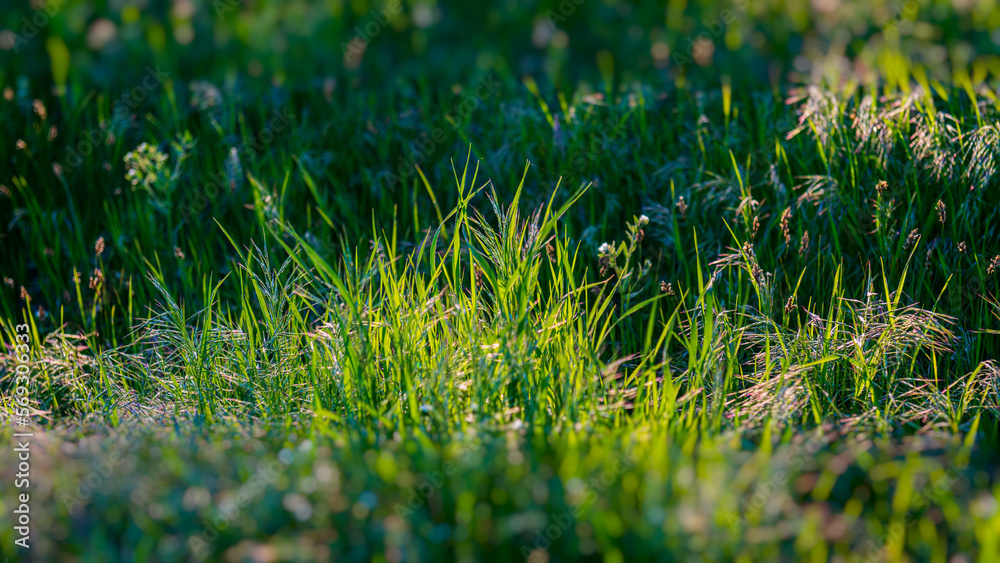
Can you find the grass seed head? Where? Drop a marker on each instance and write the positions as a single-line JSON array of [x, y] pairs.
[[96, 279], [994, 264], [790, 305], [39, 108]]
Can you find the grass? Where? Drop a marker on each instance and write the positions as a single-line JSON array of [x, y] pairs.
[[727, 323]]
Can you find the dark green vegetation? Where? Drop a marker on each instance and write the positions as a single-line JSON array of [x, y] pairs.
[[452, 312]]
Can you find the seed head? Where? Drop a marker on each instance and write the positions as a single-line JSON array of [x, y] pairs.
[[39, 108], [786, 228], [96, 279], [790, 305], [942, 215], [994, 264], [99, 247], [911, 239], [604, 262], [682, 206]]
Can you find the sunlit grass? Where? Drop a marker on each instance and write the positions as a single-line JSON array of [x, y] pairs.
[[640, 315]]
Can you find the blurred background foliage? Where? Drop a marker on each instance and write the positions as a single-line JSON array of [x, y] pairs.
[[108, 43]]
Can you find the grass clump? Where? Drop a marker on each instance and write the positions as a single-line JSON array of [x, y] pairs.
[[735, 325]]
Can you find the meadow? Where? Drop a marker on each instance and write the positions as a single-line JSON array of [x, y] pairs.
[[422, 281]]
